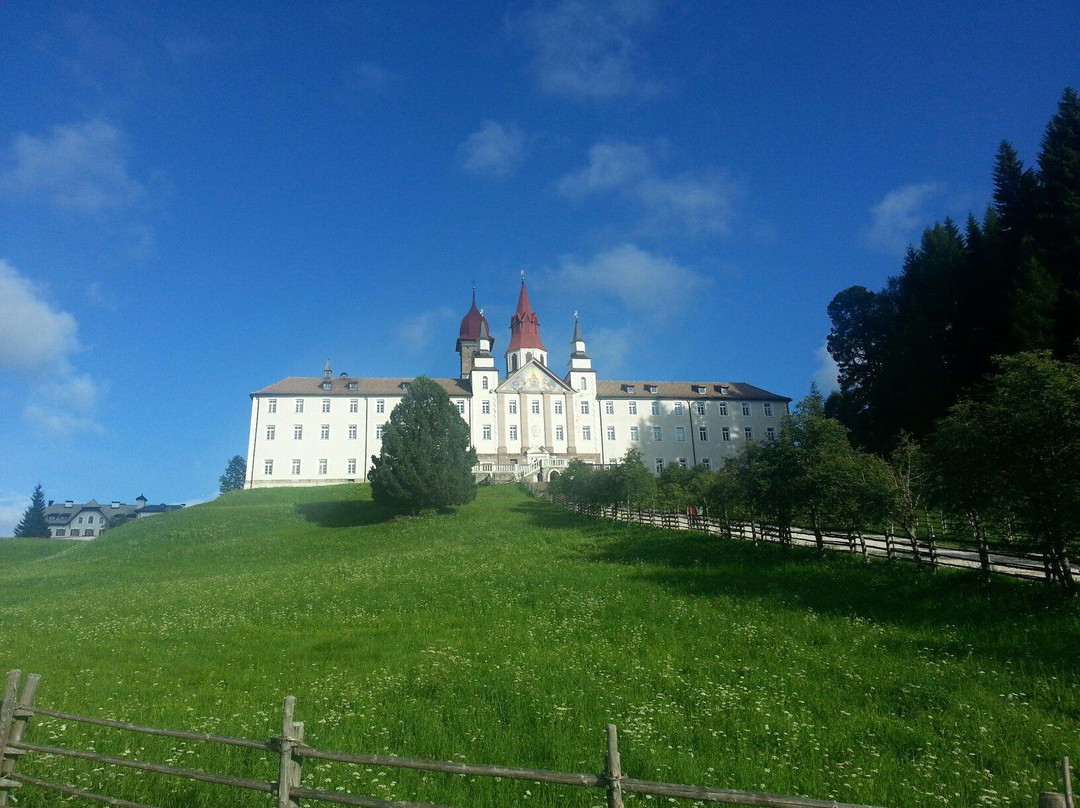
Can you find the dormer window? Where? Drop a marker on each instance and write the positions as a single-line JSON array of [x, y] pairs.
[[405, 386], [326, 385], [723, 389], [699, 389], [651, 388], [351, 385], [629, 388]]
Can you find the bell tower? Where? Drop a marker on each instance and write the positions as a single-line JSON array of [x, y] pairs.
[[525, 343]]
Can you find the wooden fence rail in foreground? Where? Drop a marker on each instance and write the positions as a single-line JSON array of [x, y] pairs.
[[889, 546], [17, 709]]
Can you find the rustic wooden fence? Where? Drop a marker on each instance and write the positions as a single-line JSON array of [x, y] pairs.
[[944, 551], [18, 708]]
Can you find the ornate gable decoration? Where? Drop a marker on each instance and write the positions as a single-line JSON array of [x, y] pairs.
[[534, 378]]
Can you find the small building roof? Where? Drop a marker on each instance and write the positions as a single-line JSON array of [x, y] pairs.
[[313, 386], [685, 390]]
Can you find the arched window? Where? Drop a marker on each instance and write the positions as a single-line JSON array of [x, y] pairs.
[[584, 383], [513, 362], [528, 356]]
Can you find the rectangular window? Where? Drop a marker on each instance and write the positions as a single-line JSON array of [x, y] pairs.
[[271, 431], [513, 406], [560, 434], [80, 520], [324, 432], [350, 466], [631, 407], [748, 433], [722, 407], [768, 408], [746, 408], [657, 433], [271, 405], [352, 431], [379, 431], [513, 431], [268, 467], [634, 434], [558, 407], [700, 406], [584, 407], [298, 432], [682, 462], [659, 465], [380, 406], [680, 433], [354, 405], [485, 407], [483, 383], [299, 405], [535, 407], [326, 405], [61, 531], [75, 531], [296, 467], [88, 532], [322, 465], [678, 408], [706, 462], [487, 432], [770, 433], [460, 407], [725, 433], [611, 433], [656, 408], [586, 433], [609, 407], [703, 434]]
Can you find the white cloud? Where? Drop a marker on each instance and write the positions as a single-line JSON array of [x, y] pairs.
[[493, 150], [588, 49], [368, 77], [610, 347], [611, 165], [695, 203], [33, 334], [12, 507], [827, 374], [418, 332], [900, 215], [58, 423], [632, 277], [80, 166]]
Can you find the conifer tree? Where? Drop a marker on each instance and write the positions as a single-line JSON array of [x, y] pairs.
[[234, 476], [427, 458], [33, 522]]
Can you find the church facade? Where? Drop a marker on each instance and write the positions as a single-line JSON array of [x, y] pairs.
[[324, 430]]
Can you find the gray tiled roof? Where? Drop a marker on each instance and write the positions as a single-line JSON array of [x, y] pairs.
[[312, 386], [685, 390]]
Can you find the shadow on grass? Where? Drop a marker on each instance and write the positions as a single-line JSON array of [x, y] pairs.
[[1001, 618], [348, 513]]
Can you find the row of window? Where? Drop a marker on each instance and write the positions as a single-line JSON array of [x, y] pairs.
[[701, 407], [560, 434], [659, 463], [75, 532], [324, 431], [323, 465]]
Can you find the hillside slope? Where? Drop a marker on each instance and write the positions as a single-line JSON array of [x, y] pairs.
[[511, 632]]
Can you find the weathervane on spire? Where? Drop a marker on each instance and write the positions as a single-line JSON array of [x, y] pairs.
[[523, 276]]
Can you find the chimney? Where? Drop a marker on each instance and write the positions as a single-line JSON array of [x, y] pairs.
[[50, 502], [115, 503], [69, 503], [327, 372]]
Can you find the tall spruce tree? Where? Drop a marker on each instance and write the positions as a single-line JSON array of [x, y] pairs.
[[427, 458], [33, 522]]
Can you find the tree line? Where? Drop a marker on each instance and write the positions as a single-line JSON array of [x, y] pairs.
[[1003, 463], [1007, 284]]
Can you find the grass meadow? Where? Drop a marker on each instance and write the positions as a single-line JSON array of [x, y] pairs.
[[511, 632]]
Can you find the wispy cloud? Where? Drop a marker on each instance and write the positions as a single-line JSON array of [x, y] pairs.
[[691, 202], [898, 217], [827, 374], [33, 333], [589, 49], [369, 78], [12, 506], [493, 150], [632, 277], [611, 347], [38, 341], [417, 333], [81, 166]]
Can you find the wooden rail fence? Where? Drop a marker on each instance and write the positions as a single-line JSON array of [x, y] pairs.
[[18, 708], [886, 545]]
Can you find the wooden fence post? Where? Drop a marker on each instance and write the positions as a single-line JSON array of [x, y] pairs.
[[9, 758], [7, 715], [613, 770], [292, 734], [1066, 776]]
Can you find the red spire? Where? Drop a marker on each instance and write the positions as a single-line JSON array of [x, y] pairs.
[[470, 323], [524, 325]]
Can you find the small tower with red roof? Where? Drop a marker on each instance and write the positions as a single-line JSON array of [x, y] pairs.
[[468, 341], [525, 343]]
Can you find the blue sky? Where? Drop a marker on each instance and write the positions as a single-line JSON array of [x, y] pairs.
[[198, 199]]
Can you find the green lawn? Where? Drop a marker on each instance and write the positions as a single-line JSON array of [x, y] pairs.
[[511, 632]]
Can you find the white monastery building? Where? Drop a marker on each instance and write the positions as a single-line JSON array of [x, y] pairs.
[[324, 430]]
